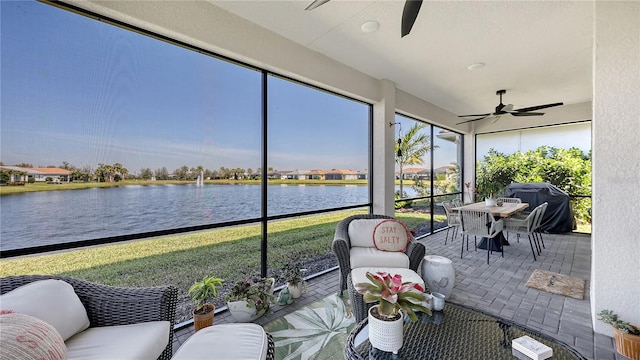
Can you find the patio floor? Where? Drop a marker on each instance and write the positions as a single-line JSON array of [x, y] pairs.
[[498, 289]]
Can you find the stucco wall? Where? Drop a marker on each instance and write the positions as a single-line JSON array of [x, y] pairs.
[[615, 275]]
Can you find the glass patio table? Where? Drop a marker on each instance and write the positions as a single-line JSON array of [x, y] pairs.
[[455, 333]]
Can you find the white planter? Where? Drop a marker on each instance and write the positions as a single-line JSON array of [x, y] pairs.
[[490, 202], [242, 313], [385, 335], [295, 290], [438, 274]]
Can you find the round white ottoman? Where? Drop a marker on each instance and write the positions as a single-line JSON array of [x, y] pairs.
[[227, 341], [438, 273]]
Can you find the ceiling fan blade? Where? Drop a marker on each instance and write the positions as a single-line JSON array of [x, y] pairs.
[[538, 107], [526, 113], [316, 3], [487, 114], [409, 15], [480, 118], [495, 118]]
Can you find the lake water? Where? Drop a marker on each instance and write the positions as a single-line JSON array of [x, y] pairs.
[[51, 217]]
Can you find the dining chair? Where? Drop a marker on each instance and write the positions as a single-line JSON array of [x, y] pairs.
[[457, 202], [480, 223], [538, 223], [524, 226], [453, 220]]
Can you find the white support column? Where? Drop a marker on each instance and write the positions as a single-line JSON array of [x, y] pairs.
[[469, 153], [615, 249], [383, 150]]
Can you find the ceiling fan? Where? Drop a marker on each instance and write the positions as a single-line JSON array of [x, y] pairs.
[[503, 109], [409, 13]]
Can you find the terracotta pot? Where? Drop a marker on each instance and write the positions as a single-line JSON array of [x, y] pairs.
[[627, 344], [201, 321]]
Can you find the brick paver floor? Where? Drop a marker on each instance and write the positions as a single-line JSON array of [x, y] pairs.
[[498, 289]]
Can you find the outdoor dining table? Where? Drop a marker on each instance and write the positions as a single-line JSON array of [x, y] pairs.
[[502, 211]]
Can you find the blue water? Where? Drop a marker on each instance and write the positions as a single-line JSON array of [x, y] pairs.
[[52, 217]]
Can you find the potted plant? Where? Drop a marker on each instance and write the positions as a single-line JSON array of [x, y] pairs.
[[490, 191], [250, 298], [294, 277], [203, 292], [396, 298], [627, 336]]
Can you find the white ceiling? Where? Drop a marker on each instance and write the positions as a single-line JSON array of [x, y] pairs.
[[539, 51]]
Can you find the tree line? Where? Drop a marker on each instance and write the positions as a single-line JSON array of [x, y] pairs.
[[117, 172]]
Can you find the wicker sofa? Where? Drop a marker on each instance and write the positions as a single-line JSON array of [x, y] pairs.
[[108, 306], [341, 247]]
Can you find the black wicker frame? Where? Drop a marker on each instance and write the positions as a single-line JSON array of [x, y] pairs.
[[271, 348], [109, 305], [341, 246]]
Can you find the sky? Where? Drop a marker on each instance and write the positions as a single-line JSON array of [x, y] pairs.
[[85, 92], [78, 90]]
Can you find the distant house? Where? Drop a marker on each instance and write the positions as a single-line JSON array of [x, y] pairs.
[[307, 175], [425, 174], [23, 174], [56, 174], [363, 175], [316, 174], [341, 174], [16, 173], [411, 173], [447, 170]]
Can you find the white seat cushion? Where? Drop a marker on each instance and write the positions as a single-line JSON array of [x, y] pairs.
[[227, 341], [368, 256], [52, 301], [360, 274], [136, 342]]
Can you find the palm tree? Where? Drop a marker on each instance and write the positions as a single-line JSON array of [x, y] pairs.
[[411, 148], [119, 170]]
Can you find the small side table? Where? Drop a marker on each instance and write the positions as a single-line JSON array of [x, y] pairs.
[[439, 274]]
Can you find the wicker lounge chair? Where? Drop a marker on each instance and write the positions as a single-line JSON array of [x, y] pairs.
[[341, 247], [109, 305]]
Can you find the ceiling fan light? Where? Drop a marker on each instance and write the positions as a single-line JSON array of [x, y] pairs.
[[370, 26]]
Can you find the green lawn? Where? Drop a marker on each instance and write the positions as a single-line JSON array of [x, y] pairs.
[[229, 253]]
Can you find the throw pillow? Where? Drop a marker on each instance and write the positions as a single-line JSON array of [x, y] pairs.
[[25, 337], [360, 231], [391, 235], [52, 301]]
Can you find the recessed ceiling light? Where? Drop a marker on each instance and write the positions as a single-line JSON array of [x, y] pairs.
[[370, 26], [475, 66]]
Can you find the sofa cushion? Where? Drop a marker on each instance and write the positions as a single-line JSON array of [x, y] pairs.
[[28, 338], [369, 256], [230, 341], [391, 235], [136, 342], [361, 231], [52, 301]]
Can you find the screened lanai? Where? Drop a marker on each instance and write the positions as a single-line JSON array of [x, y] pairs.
[[608, 66]]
